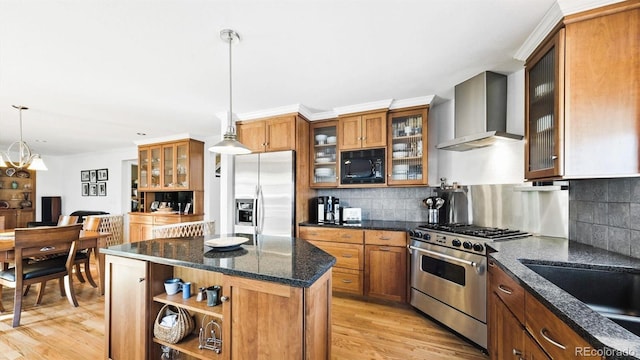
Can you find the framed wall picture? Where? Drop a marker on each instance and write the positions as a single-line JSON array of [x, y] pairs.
[[84, 175], [103, 174], [85, 187], [93, 177], [93, 189], [102, 188]]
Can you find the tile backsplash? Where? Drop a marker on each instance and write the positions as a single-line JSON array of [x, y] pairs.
[[397, 204], [605, 213]]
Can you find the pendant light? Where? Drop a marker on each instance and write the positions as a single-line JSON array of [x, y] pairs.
[[25, 157], [230, 144]]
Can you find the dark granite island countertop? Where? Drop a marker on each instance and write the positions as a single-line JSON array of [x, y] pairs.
[[612, 340], [283, 260]]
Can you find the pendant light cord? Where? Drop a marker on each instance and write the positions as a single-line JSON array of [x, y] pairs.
[[231, 128]]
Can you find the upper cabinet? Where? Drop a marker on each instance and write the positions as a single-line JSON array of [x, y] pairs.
[[17, 197], [273, 134], [582, 97], [324, 154], [173, 166], [406, 160], [368, 130]]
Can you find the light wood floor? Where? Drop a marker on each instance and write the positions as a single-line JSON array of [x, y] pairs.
[[361, 330]]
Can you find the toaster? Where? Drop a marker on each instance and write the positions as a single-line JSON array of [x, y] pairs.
[[350, 215]]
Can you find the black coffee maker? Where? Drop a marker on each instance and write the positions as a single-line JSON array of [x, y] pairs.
[[327, 210]]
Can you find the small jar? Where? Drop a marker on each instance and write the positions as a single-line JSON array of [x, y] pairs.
[[201, 294]]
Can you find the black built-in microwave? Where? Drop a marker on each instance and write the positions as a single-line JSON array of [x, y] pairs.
[[362, 166]]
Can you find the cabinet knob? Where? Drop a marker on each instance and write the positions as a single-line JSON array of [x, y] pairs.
[[224, 298], [554, 157]]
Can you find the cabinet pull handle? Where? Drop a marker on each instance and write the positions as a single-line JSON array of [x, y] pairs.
[[544, 333], [313, 233], [491, 263], [384, 238], [517, 352], [346, 236], [554, 157], [347, 256], [384, 249], [141, 279], [347, 281], [224, 298], [505, 289]]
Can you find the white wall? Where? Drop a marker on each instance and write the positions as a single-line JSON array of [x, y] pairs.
[[498, 164]]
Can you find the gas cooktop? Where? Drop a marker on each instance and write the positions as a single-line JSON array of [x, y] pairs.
[[488, 233]]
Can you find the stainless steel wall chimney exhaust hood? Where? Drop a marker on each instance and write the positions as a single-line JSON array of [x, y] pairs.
[[480, 113]]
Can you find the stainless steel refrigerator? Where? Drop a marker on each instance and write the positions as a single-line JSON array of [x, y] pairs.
[[265, 193]]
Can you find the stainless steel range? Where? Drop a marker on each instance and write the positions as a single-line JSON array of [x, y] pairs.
[[448, 274]]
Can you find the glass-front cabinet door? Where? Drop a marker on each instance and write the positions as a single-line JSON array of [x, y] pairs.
[[407, 147], [168, 159], [182, 165], [324, 154], [154, 179], [144, 161], [544, 88]]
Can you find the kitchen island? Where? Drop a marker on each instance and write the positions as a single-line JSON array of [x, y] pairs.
[[275, 299], [606, 339]]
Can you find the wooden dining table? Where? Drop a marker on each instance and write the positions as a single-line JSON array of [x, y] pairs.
[[88, 240]]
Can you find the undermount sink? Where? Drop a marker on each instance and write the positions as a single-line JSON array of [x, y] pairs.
[[613, 294]]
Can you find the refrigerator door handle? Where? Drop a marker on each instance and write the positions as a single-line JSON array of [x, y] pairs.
[[261, 212], [256, 213]]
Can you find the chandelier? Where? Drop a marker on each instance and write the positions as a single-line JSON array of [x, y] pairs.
[[25, 157], [230, 144]]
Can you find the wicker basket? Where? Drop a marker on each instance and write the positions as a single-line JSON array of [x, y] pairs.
[[183, 326]]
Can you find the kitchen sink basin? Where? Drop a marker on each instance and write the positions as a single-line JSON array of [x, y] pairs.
[[613, 294]]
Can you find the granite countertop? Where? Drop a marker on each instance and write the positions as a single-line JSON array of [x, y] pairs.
[[372, 225], [283, 260], [600, 332]]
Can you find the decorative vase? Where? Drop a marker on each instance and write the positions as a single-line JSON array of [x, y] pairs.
[[26, 203]]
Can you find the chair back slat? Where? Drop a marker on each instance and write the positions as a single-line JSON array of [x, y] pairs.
[[91, 223], [39, 237], [67, 220]]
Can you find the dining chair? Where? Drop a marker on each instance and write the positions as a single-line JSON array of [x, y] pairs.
[[34, 264], [82, 260]]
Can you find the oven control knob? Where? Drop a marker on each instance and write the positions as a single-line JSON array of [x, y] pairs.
[[467, 245], [412, 233], [426, 236], [417, 234], [478, 247], [456, 243]]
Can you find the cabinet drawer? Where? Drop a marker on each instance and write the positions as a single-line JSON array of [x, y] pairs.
[[140, 219], [553, 335], [332, 234], [384, 237], [507, 289], [349, 256], [345, 280]]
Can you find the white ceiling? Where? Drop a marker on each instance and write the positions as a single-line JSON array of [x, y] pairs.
[[96, 72]]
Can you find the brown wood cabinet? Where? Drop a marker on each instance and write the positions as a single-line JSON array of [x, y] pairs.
[[324, 155], [171, 166], [250, 311], [520, 327], [347, 246], [407, 147], [370, 263], [13, 190], [581, 89], [141, 224], [367, 130], [273, 134]]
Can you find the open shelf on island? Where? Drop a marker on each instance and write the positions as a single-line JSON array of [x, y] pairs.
[[190, 345], [190, 304]]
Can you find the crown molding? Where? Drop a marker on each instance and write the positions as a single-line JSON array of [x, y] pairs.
[[416, 101], [374, 105], [287, 109], [163, 139], [551, 18]]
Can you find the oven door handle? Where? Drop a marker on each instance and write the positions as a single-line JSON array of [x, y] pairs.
[[446, 257]]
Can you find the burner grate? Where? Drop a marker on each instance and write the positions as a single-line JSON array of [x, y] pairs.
[[491, 233]]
